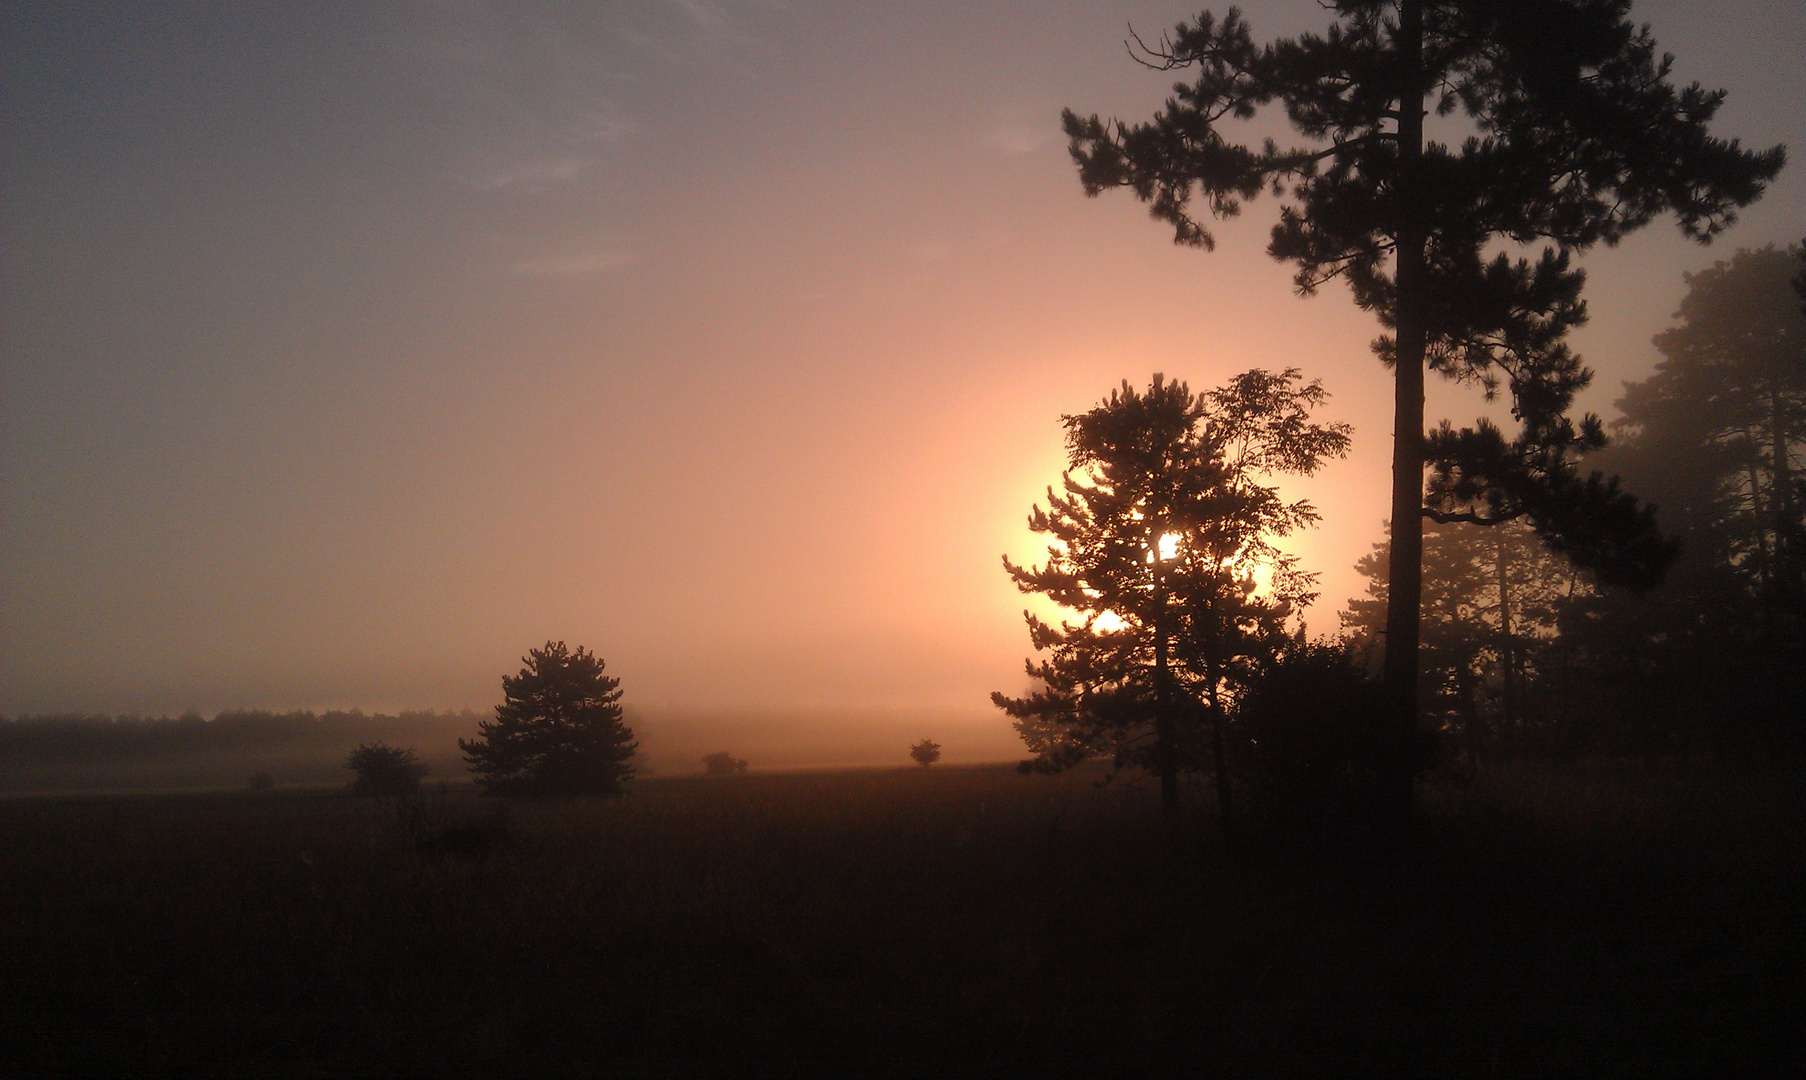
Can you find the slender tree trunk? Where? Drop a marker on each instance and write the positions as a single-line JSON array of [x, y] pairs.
[[1220, 758], [1166, 751], [1786, 565], [1760, 518], [1508, 658], [1404, 593]]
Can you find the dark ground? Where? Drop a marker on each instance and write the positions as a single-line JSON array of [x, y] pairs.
[[1607, 919]]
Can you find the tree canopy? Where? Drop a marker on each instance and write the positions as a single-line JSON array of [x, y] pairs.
[[1554, 123], [1162, 545], [1493, 604], [558, 731], [1718, 429]]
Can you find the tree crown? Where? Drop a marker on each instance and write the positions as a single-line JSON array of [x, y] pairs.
[[559, 729], [1568, 132], [1162, 545]]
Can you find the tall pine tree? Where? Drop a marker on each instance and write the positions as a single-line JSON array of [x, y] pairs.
[[1562, 129]]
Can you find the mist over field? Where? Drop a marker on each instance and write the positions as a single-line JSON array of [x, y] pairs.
[[348, 351], [76, 754]]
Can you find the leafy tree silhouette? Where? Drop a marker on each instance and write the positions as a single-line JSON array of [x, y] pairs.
[[1571, 135], [558, 731], [926, 752], [1161, 542]]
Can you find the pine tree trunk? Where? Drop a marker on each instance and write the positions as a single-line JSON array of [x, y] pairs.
[[1786, 564], [1508, 658], [1404, 595], [1219, 753], [1166, 753]]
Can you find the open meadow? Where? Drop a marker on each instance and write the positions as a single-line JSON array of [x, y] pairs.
[[1605, 919]]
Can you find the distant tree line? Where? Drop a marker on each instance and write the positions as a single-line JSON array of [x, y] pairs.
[[76, 737]]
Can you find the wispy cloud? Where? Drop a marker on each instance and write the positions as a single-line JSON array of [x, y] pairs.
[[1017, 139], [710, 18], [530, 177], [580, 264], [529, 94], [1018, 129]]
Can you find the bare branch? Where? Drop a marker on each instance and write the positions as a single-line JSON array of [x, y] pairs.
[[1442, 517]]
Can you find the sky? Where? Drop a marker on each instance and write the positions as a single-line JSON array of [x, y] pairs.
[[348, 350]]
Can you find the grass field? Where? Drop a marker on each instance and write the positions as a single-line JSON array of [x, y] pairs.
[[1598, 920]]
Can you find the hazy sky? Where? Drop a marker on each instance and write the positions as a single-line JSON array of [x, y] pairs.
[[351, 349]]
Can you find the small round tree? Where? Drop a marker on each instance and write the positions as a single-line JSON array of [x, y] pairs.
[[926, 752], [383, 771], [558, 731]]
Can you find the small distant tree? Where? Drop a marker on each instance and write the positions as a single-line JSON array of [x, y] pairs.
[[723, 764], [261, 781], [926, 752], [558, 731], [385, 771]]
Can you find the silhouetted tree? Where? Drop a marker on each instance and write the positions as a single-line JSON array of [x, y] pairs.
[[1716, 436], [1571, 134], [385, 771], [558, 731], [723, 764], [926, 752], [1163, 545], [1719, 428]]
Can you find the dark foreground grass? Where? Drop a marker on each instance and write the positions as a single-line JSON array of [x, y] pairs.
[[1596, 920]]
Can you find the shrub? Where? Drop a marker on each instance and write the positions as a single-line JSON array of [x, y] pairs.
[[1313, 728], [385, 771], [723, 764], [926, 752]]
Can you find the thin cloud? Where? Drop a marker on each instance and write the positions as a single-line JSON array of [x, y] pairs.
[[710, 18], [533, 177], [566, 266], [1016, 139], [528, 94]]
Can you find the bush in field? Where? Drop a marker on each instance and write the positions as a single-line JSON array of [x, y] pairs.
[[926, 752], [384, 770], [723, 764], [261, 781], [1313, 727], [558, 730]]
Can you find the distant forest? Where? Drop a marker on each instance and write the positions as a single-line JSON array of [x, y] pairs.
[[95, 738], [78, 752], [1524, 654]]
